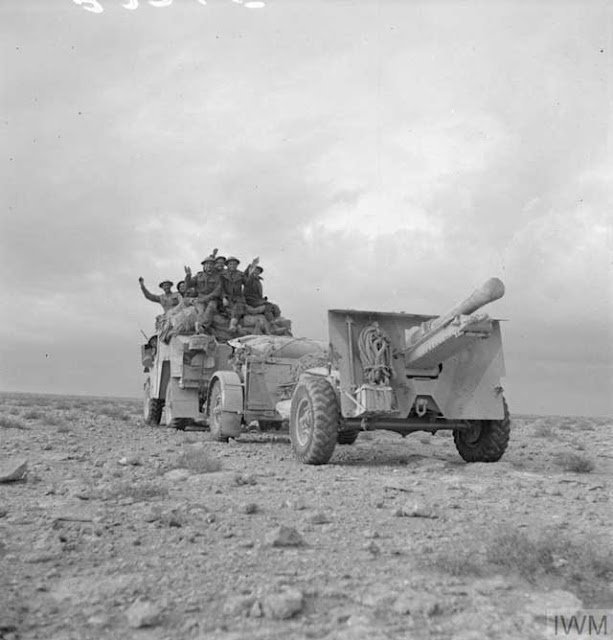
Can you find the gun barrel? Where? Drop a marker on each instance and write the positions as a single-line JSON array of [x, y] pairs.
[[490, 290]]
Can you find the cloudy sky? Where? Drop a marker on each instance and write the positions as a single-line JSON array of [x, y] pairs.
[[375, 155]]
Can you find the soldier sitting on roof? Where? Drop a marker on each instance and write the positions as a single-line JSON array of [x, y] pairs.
[[220, 264], [232, 292], [254, 295], [168, 299], [208, 293]]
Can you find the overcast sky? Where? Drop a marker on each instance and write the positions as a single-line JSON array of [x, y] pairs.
[[375, 155]]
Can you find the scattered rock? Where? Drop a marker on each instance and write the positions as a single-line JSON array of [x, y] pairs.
[[244, 478], [416, 510], [249, 508], [256, 610], [153, 514], [172, 518], [283, 605], [284, 536], [373, 548], [317, 517], [238, 605], [370, 534], [177, 475], [143, 613], [416, 603], [297, 504], [13, 470], [129, 460]]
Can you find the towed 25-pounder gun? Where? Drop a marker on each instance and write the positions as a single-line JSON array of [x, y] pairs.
[[405, 373], [397, 371]]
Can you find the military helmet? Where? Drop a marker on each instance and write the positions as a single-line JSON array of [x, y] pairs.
[[208, 259], [233, 259], [217, 258], [165, 282]]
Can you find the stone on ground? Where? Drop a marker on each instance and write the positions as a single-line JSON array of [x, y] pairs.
[[284, 536], [13, 470], [143, 613], [283, 605]]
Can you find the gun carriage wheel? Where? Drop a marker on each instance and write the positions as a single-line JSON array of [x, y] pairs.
[[484, 440]]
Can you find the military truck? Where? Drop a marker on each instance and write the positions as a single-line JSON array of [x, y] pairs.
[[226, 385], [396, 371]]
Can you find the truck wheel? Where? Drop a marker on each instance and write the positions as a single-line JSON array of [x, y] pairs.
[[313, 422], [152, 407], [215, 413], [347, 437], [485, 440], [171, 421]]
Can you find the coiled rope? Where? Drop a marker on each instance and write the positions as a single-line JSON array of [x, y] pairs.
[[374, 346]]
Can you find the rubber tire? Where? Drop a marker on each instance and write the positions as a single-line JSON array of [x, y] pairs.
[[314, 418], [214, 418], [491, 442], [152, 408], [347, 437]]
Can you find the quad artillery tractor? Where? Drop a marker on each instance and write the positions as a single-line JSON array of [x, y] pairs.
[[396, 371]]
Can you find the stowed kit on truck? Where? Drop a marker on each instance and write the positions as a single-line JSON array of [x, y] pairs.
[[396, 371]]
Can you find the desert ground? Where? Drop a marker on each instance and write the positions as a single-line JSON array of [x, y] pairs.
[[116, 529]]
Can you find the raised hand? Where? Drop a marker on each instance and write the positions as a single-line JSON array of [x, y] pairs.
[[188, 271], [141, 280]]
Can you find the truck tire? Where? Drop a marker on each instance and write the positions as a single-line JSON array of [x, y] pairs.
[[152, 407], [347, 437], [313, 422], [215, 413], [486, 440]]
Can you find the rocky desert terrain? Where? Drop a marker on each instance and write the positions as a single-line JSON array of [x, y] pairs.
[[110, 528]]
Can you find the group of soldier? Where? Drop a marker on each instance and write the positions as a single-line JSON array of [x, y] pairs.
[[218, 289]]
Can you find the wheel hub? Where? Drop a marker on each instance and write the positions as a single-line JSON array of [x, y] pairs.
[[304, 423], [472, 434]]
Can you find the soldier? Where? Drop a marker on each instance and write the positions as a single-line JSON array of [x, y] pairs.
[[181, 288], [220, 264], [254, 295], [207, 284], [232, 292], [168, 300]]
